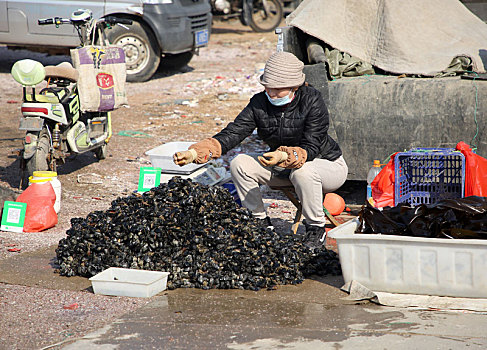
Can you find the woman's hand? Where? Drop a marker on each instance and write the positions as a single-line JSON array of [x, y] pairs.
[[272, 158], [184, 157]]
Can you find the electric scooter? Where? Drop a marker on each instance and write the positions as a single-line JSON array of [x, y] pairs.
[[55, 126]]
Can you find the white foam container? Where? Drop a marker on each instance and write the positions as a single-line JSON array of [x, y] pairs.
[[415, 265], [129, 282], [162, 157]]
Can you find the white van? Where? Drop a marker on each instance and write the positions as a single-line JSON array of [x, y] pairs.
[[166, 32]]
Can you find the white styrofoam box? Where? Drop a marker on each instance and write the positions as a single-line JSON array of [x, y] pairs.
[[162, 157], [415, 265], [129, 282]]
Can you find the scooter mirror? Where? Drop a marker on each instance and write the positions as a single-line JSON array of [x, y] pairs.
[[28, 72]]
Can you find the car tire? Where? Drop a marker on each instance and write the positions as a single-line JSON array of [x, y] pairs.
[[175, 62], [142, 54]]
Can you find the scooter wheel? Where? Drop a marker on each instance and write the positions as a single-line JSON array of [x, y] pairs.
[[101, 152], [39, 161]]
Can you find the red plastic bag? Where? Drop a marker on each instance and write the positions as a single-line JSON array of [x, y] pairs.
[[40, 214], [383, 186], [475, 171]]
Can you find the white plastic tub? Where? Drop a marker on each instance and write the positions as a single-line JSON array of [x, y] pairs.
[[162, 157], [129, 282], [400, 264]]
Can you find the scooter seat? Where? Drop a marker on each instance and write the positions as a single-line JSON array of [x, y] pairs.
[[63, 70]]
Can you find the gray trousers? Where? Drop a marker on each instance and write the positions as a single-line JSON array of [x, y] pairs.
[[310, 182]]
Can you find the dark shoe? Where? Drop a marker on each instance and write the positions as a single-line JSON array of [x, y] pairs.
[[315, 236], [267, 223]]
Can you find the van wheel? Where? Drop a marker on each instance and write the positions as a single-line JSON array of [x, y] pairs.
[[142, 54], [177, 61]]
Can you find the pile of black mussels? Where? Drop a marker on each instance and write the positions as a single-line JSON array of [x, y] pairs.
[[195, 232]]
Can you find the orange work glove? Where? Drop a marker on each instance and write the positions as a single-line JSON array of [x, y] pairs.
[[272, 158], [184, 157]]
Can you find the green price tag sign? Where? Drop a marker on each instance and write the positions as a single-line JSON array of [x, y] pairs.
[[13, 216], [148, 178]]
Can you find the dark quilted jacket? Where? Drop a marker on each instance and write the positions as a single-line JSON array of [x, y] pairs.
[[304, 123]]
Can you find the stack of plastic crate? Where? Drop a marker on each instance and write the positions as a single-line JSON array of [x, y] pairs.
[[428, 175]]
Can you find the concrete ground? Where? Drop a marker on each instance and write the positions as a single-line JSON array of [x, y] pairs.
[[311, 315]]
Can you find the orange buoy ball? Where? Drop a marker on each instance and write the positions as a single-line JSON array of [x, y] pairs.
[[334, 203]]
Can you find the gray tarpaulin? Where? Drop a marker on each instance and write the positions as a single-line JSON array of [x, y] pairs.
[[358, 292], [412, 37]]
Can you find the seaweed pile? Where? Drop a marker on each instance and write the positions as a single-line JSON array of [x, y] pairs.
[[455, 218], [195, 232]]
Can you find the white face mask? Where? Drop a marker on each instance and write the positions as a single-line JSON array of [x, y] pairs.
[[280, 101]]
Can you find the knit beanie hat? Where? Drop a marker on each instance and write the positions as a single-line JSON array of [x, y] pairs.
[[282, 70]]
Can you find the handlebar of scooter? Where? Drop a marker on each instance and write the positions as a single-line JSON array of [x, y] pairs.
[[115, 20], [54, 20], [58, 20], [43, 22]]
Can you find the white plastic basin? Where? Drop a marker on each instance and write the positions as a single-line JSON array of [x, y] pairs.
[[401, 264], [162, 157]]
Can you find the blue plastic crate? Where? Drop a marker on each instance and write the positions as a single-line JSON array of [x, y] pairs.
[[428, 175]]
